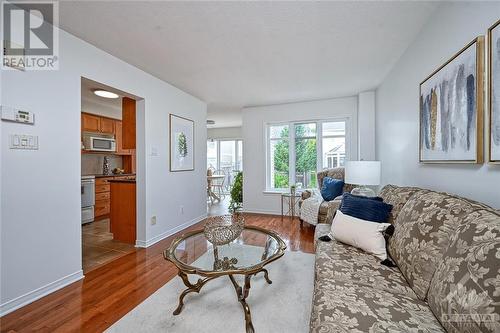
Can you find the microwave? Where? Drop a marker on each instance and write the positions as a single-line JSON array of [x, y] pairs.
[[95, 143]]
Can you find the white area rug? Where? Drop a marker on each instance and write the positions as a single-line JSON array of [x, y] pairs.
[[283, 306]]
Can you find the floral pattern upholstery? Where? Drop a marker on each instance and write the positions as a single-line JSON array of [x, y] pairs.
[[439, 239], [327, 210], [422, 234], [341, 262], [343, 306], [467, 281], [397, 197]]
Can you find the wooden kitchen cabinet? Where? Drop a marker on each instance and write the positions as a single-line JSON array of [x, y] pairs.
[[129, 162], [102, 192], [103, 195], [119, 140], [90, 122], [123, 215], [107, 125], [129, 122], [97, 124]]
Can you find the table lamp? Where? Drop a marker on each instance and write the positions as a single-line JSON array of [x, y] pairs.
[[362, 173]]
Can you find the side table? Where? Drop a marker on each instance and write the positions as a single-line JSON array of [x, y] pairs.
[[289, 201]]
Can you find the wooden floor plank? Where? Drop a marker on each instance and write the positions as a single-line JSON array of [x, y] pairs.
[[109, 292]]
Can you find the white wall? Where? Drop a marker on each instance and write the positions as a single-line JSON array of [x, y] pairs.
[[451, 27], [254, 157], [225, 133], [366, 125], [40, 190]]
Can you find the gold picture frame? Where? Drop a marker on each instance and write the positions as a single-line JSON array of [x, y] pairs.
[[428, 108], [491, 158]]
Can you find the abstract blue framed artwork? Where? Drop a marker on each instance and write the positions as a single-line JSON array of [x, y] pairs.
[[494, 91], [451, 109]]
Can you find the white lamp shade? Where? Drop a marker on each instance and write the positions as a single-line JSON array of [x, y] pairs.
[[362, 172]]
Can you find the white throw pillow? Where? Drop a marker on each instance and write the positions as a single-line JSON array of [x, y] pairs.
[[365, 235]]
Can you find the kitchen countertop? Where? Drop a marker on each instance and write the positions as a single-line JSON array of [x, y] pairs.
[[112, 175], [122, 181]]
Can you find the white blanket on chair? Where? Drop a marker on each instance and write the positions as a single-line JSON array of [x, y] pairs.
[[310, 208]]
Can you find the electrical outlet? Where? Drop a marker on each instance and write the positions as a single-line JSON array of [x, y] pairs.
[[153, 220], [182, 209]]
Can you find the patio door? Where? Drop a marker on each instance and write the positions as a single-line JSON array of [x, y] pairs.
[[225, 155]]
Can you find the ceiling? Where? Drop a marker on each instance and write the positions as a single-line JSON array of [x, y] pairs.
[[88, 87], [235, 54]]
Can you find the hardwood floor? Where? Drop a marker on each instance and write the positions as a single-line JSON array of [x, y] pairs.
[[108, 292]]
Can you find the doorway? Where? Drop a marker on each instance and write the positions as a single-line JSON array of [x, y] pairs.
[[108, 174], [224, 158]]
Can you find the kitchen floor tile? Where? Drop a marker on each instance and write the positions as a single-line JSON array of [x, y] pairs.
[[99, 247]]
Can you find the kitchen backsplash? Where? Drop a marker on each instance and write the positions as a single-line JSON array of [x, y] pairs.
[[92, 163]]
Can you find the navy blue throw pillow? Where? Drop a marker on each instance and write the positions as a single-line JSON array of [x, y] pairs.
[[369, 209], [331, 188]]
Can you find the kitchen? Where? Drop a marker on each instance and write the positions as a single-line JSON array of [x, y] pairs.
[[108, 166]]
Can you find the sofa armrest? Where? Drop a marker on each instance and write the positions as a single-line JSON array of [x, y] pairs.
[[328, 210], [306, 194], [322, 229]]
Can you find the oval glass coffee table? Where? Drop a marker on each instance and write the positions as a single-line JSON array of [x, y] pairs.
[[247, 255]]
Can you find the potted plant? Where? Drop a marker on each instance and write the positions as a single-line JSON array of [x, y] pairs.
[[237, 194]]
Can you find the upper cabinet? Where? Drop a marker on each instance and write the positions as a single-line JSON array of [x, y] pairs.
[[107, 125], [128, 123], [119, 139], [94, 123], [90, 122]]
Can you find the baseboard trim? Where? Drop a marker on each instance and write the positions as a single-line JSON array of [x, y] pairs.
[[156, 239], [36, 294]]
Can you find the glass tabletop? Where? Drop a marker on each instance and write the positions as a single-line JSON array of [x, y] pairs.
[[254, 248]]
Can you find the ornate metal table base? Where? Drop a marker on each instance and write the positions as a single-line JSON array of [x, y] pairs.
[[190, 288], [241, 293]]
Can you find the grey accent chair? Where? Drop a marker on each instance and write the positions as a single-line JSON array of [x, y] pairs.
[[328, 208]]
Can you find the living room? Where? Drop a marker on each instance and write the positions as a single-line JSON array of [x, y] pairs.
[[362, 188]]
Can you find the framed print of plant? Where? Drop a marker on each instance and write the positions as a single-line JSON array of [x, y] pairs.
[[181, 143]]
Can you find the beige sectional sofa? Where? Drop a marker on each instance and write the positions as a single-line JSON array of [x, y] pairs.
[[447, 279]]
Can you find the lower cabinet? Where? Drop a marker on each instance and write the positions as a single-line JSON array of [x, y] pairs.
[[102, 195]]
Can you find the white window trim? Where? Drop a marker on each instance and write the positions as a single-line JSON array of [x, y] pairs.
[[291, 139]]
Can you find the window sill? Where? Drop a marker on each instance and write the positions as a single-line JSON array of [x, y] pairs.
[[275, 191]]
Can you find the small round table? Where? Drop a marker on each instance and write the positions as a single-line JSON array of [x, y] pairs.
[[247, 255], [291, 200]]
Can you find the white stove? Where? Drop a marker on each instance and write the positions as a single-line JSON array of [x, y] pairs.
[[88, 198]]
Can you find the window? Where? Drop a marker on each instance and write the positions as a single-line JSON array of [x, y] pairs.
[[280, 156], [212, 154], [305, 155], [225, 155], [297, 150], [333, 144]]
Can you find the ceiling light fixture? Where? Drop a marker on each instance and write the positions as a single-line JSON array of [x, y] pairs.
[[105, 93]]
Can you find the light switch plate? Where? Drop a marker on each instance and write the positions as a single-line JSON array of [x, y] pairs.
[[24, 142], [154, 151]]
